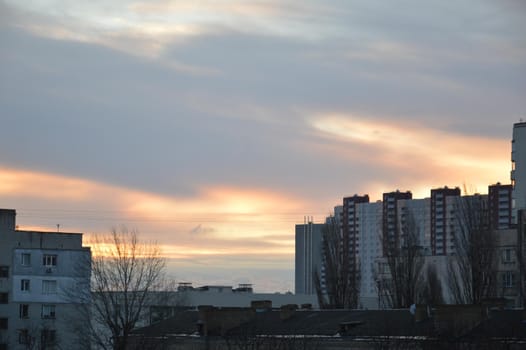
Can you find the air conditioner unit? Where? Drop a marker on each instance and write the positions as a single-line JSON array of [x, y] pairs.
[[49, 270]]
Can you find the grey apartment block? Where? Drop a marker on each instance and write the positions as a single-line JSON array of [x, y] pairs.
[[518, 167], [44, 276], [309, 238]]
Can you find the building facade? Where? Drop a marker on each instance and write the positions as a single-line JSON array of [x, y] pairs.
[[349, 226], [40, 286], [390, 219], [442, 214], [369, 215], [500, 206], [308, 258], [518, 166]]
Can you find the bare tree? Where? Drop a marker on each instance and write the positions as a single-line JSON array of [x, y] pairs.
[[402, 283], [471, 276], [125, 274], [340, 286], [431, 293]]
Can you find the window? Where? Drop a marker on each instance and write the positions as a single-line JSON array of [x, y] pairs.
[[4, 271], [48, 336], [506, 257], [4, 298], [24, 285], [3, 323], [48, 311], [49, 260], [23, 336], [49, 287], [508, 280], [26, 259], [24, 310]]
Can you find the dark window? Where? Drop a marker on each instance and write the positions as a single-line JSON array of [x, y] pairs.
[[49, 260], [24, 285], [23, 336], [4, 298], [4, 271], [3, 323], [24, 310]]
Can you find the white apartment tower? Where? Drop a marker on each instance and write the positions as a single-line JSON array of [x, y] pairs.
[[518, 167], [369, 216], [43, 278]]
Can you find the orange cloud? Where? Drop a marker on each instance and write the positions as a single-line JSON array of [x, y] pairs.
[[236, 220], [421, 157]]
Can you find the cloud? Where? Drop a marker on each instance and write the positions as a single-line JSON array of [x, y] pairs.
[[427, 157]]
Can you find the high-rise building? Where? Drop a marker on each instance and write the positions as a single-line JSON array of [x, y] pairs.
[[518, 166], [500, 206], [442, 215], [43, 278], [349, 230], [413, 214], [369, 215], [390, 221], [309, 237]]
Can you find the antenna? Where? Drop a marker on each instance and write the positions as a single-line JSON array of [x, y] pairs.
[[58, 227]]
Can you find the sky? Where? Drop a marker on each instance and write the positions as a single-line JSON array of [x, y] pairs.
[[213, 127]]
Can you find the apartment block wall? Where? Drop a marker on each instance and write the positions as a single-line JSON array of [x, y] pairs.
[[369, 216], [308, 258], [518, 170], [500, 205], [40, 285], [390, 222]]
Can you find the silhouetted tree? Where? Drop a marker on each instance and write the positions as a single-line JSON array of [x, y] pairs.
[[471, 276], [339, 287], [431, 293], [402, 283], [126, 277]]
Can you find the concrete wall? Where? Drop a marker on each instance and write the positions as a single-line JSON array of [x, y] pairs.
[[69, 251]]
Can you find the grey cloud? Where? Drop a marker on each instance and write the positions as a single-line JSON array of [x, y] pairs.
[[84, 110]]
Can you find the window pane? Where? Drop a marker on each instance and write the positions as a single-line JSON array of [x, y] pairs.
[[49, 287], [4, 271], [26, 259], [48, 311], [49, 260], [24, 285], [24, 310]]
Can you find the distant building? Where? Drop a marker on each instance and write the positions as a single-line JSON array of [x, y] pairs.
[[442, 213], [390, 218], [518, 166], [308, 256], [500, 206], [350, 231], [40, 285], [161, 305], [369, 217]]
